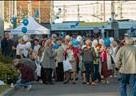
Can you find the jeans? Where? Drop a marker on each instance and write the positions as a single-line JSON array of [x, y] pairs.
[[22, 83], [96, 72], [89, 71], [126, 79]]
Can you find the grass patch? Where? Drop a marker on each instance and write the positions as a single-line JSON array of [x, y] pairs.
[[3, 88]]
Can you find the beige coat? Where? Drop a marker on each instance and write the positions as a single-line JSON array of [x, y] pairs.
[[60, 54], [49, 58], [126, 59]]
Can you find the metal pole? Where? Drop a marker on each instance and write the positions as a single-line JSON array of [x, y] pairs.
[[78, 12], [104, 10], [121, 10], [114, 23], [64, 12], [112, 11]]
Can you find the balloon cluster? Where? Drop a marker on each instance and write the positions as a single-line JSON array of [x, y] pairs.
[[75, 43], [25, 22], [55, 46], [24, 29], [108, 41], [105, 42]]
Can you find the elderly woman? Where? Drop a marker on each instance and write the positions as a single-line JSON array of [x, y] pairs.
[[70, 54], [48, 62], [88, 55]]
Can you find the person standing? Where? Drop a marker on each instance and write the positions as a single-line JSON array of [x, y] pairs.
[[96, 62], [88, 55], [48, 62], [7, 45], [126, 65], [106, 68], [70, 55], [59, 62], [36, 46]]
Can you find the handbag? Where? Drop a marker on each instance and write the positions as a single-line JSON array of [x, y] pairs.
[[66, 65]]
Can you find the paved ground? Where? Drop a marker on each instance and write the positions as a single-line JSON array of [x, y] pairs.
[[59, 89]]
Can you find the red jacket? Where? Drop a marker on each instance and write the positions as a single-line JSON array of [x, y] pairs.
[[76, 52], [26, 71], [103, 56]]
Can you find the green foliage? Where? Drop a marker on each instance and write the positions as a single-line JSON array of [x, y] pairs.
[[5, 60], [8, 73]]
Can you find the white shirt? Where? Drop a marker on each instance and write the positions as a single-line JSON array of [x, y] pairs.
[[19, 49], [23, 49], [36, 48]]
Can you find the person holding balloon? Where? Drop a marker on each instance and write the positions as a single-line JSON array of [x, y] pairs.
[[71, 54]]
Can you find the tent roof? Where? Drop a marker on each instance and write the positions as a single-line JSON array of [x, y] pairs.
[[32, 28]]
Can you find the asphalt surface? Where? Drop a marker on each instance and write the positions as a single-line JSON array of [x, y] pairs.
[[60, 89]]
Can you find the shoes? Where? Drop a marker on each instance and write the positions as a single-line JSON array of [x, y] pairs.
[[51, 83], [83, 82], [73, 82], [107, 82], [65, 82], [29, 87], [46, 83], [88, 83], [93, 84]]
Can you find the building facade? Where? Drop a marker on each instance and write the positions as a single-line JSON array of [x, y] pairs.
[[27, 8]]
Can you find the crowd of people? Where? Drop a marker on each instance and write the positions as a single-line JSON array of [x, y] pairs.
[[53, 59]]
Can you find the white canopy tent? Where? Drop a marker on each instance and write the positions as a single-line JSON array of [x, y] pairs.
[[32, 28]]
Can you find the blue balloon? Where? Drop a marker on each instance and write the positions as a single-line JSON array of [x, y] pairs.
[[62, 34], [25, 22], [24, 29], [75, 43], [107, 42], [55, 46]]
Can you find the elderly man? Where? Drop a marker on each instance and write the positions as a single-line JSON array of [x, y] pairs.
[[126, 64]]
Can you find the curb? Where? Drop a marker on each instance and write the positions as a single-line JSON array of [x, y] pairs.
[[8, 92]]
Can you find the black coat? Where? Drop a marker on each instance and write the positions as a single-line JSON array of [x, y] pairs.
[[6, 47]]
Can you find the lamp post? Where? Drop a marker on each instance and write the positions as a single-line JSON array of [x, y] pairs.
[[114, 23]]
